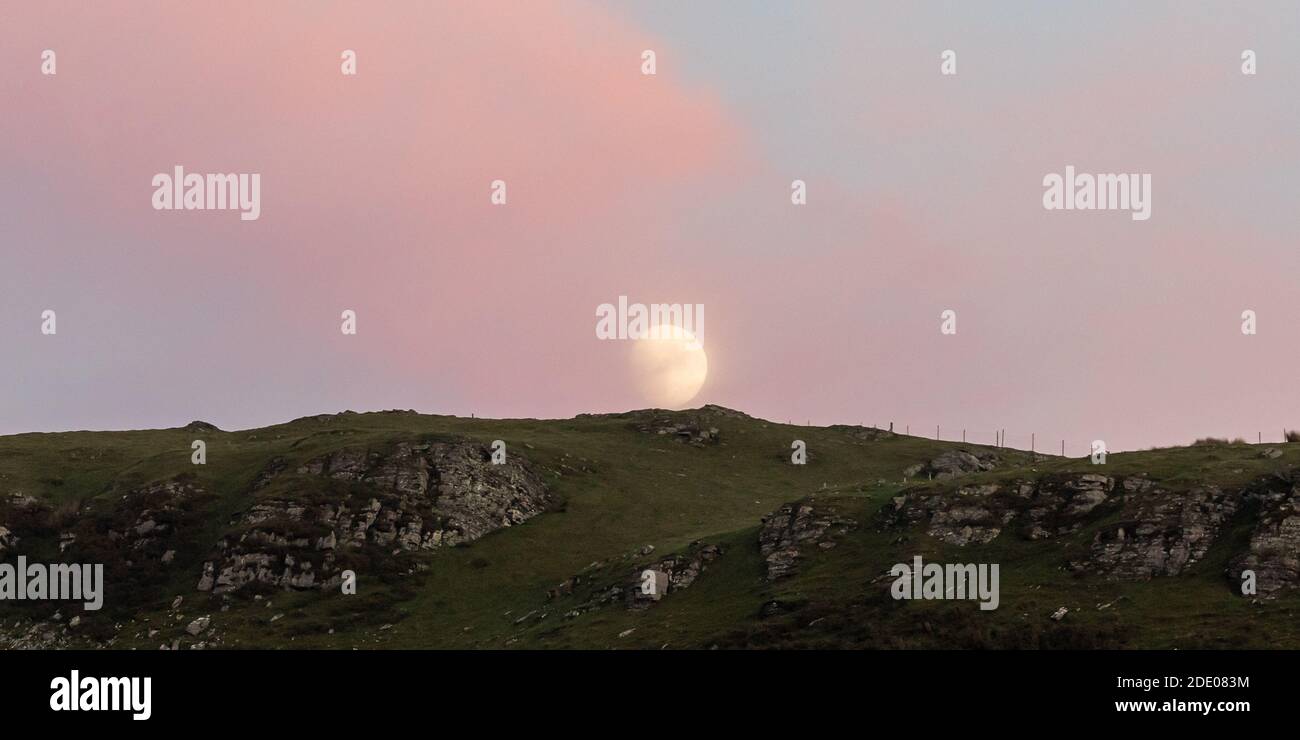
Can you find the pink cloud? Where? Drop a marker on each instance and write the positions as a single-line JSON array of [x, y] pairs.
[[374, 188]]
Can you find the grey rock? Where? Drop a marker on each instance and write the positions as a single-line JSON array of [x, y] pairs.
[[954, 463], [1163, 534], [198, 625], [421, 496], [978, 514], [689, 429], [1274, 551], [790, 529]]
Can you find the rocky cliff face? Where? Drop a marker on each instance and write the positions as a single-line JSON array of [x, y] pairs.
[[148, 518], [134, 533], [978, 513], [1274, 551], [788, 532], [1163, 533], [410, 497], [138, 526], [1152, 530]]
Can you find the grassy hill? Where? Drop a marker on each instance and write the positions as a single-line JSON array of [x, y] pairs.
[[624, 491]]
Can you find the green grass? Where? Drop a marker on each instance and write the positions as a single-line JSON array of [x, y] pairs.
[[620, 489]]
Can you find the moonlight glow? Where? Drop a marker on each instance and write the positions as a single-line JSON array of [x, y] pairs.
[[669, 370]]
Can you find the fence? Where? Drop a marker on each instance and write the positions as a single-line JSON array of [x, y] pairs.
[[1035, 442]]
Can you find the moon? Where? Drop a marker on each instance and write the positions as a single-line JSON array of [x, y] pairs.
[[670, 369]]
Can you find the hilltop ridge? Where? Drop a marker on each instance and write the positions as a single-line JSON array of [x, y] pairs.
[[481, 533]]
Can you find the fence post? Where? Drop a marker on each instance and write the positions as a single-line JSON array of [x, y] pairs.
[[1033, 443]]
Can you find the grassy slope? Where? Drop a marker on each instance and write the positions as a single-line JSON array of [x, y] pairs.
[[624, 489]]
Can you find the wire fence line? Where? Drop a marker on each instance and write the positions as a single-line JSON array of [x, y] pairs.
[[1045, 443]]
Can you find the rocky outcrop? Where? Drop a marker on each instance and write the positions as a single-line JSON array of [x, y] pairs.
[[689, 427], [790, 530], [866, 434], [129, 531], [132, 526], [689, 431], [1164, 535], [1274, 552], [35, 635], [978, 514], [971, 519], [680, 571], [1159, 532], [673, 573], [147, 518], [16, 511], [953, 463], [409, 497], [723, 411]]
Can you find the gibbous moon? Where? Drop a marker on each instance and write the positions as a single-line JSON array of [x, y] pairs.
[[669, 370]]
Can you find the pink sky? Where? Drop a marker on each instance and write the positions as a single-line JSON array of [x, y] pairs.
[[924, 194]]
